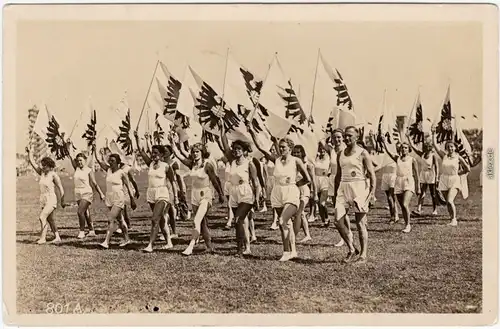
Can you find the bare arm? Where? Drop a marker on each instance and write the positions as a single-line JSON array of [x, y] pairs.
[[37, 169], [267, 154], [68, 146], [310, 170], [436, 146], [103, 165], [255, 180], [58, 184], [367, 161], [144, 155], [393, 156], [418, 152], [134, 184], [416, 176], [209, 169], [303, 171], [126, 182], [226, 150], [94, 185]]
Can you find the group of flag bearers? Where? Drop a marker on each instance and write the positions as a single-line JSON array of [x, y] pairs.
[[291, 167]]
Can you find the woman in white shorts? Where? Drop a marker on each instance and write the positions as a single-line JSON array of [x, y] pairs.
[[85, 183], [407, 179], [180, 207], [285, 196], [452, 166], [49, 180], [116, 179], [202, 174], [428, 175], [227, 184], [270, 181], [157, 194], [321, 168], [353, 190], [244, 189], [300, 220]]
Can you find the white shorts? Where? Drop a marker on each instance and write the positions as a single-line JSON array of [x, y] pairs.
[[285, 194], [388, 181], [428, 177], [447, 182], [241, 193], [404, 184], [155, 194], [352, 194], [84, 195], [305, 193], [115, 199], [322, 183], [48, 203], [198, 195]]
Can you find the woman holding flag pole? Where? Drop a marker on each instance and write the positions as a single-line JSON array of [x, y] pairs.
[[49, 180], [116, 179], [157, 192], [285, 196]]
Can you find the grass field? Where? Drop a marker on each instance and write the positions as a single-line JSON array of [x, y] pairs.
[[434, 269]]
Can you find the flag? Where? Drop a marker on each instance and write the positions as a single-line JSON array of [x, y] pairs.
[[465, 151], [444, 127], [49, 129], [90, 133], [415, 127]]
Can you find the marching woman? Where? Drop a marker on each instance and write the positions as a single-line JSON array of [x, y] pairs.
[[285, 196], [321, 167], [49, 180], [452, 166], [353, 190], [157, 194], [429, 174], [244, 188], [85, 183], [227, 184], [116, 179], [202, 173], [407, 179], [270, 180], [337, 140], [300, 220], [180, 207]]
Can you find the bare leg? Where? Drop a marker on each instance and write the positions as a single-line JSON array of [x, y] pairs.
[[450, 203], [53, 227], [200, 212], [288, 234], [114, 214], [159, 208]]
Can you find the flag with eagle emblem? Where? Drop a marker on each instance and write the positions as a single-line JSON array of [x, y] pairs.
[[90, 133], [444, 127], [465, 151], [416, 124], [158, 133], [169, 88], [124, 139], [49, 129], [210, 109]]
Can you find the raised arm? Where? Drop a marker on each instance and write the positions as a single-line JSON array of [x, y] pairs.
[[417, 151], [440, 152], [301, 168], [393, 156], [144, 155], [178, 154], [224, 144], [68, 146], [37, 169], [210, 170], [267, 154], [102, 164]]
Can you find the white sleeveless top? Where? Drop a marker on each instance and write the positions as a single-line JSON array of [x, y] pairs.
[[404, 168], [114, 181], [227, 172], [427, 163], [285, 173], [449, 166], [352, 166], [239, 173], [47, 186], [390, 168], [270, 168], [81, 180], [157, 177], [321, 165], [199, 178]]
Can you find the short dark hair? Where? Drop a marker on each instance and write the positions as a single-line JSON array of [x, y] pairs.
[[300, 148], [81, 155], [48, 162], [159, 148], [169, 149], [116, 157], [245, 146]]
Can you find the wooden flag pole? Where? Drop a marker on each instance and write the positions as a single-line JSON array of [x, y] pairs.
[[314, 83], [147, 94], [263, 83]]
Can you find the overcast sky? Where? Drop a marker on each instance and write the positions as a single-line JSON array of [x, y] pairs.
[[62, 64]]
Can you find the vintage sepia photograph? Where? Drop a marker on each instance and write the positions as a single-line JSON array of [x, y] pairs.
[[251, 159]]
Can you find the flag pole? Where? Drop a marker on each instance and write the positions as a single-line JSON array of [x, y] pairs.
[[147, 94], [314, 83], [263, 83]]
